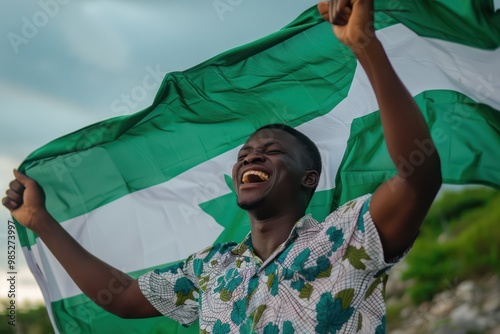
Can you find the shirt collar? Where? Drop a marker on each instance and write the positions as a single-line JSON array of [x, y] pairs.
[[245, 247], [303, 225]]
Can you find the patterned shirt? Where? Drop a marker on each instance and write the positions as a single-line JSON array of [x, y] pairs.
[[327, 277]]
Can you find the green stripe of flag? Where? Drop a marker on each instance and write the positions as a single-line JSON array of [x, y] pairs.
[[466, 134], [469, 22], [79, 314]]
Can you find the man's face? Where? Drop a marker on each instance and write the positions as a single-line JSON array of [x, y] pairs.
[[269, 170]]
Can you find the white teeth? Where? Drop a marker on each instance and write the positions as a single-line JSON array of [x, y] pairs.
[[263, 176]]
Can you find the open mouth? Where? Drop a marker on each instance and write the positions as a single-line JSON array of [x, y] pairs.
[[254, 176]]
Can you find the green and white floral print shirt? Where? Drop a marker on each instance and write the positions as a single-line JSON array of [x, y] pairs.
[[327, 277]]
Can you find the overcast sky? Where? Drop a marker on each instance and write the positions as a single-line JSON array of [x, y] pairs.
[[65, 64]]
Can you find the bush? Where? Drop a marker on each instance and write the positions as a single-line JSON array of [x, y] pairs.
[[472, 248]]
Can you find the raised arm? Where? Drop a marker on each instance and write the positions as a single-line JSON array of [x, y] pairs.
[[26, 202], [398, 206]]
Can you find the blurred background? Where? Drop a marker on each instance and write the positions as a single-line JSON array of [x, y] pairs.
[[66, 64]]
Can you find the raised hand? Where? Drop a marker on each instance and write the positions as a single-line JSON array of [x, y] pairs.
[[352, 22], [398, 206], [25, 200]]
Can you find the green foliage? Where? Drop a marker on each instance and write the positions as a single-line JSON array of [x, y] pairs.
[[393, 313], [28, 321], [470, 224], [452, 205]]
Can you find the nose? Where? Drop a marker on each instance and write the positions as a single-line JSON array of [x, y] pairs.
[[253, 157]]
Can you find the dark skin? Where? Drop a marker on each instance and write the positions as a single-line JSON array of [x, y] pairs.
[[273, 206], [398, 206]]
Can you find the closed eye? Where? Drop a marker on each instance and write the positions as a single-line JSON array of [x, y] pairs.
[[274, 152]]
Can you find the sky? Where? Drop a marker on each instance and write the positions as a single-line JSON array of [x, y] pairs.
[[65, 64]]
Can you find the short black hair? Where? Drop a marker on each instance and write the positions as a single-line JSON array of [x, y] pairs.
[[311, 150]]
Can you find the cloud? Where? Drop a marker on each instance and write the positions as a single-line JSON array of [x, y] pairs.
[[93, 38], [31, 119]]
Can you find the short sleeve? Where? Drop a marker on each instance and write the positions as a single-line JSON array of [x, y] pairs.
[[362, 245], [173, 292]]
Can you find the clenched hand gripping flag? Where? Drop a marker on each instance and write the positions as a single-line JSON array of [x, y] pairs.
[[146, 190]]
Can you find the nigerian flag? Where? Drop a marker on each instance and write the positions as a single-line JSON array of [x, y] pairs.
[[149, 189]]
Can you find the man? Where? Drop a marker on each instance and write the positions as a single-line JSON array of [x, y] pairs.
[[291, 274]]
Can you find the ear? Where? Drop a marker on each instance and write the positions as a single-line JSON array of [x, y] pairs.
[[310, 179]]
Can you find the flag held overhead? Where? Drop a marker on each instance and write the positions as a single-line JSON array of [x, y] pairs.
[[160, 177]]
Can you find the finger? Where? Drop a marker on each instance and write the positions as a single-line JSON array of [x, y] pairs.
[[343, 16], [332, 4], [323, 10], [22, 178], [335, 8], [9, 204], [18, 198], [16, 186]]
